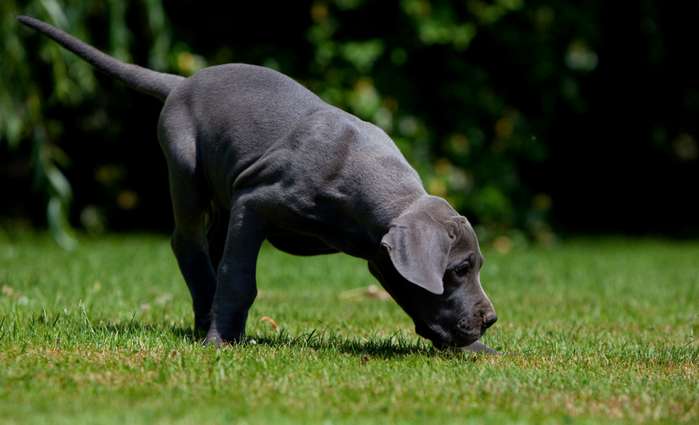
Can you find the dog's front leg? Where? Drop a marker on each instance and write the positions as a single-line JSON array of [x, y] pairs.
[[236, 287]]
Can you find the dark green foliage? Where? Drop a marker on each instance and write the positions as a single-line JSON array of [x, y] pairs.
[[514, 111], [38, 77]]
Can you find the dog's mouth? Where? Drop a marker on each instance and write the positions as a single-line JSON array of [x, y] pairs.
[[441, 338]]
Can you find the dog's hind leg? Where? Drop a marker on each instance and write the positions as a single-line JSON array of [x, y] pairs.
[[190, 203], [190, 245], [236, 286], [216, 233]]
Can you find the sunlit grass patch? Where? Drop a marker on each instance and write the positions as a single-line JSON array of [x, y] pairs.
[[591, 332]]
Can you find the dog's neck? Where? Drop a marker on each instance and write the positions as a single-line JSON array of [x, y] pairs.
[[388, 212]]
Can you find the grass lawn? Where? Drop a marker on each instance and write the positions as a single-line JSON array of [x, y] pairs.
[[593, 332]]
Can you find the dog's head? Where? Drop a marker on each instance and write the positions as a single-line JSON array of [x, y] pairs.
[[430, 264]]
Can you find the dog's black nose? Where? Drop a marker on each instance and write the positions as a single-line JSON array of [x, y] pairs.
[[489, 320]]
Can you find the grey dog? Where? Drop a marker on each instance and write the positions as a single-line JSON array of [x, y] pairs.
[[253, 155]]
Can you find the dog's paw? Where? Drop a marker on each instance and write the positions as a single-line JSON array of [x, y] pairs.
[[217, 339], [213, 339]]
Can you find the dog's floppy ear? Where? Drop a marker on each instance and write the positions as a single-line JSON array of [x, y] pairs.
[[419, 249]]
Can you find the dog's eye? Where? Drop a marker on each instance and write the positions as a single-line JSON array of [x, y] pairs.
[[462, 268]]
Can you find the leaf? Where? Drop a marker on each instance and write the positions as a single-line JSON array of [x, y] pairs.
[[58, 184], [58, 224], [271, 322], [55, 11], [369, 292]]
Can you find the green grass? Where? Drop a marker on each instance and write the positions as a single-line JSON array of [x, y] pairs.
[[592, 331]]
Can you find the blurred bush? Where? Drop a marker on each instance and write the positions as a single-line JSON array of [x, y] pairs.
[[28, 92], [477, 94]]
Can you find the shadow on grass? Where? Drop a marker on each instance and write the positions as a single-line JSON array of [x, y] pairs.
[[391, 346], [377, 346]]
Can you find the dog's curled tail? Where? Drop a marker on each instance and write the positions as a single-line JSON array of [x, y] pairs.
[[142, 79]]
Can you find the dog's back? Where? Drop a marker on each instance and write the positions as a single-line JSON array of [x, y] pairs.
[[253, 123]]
